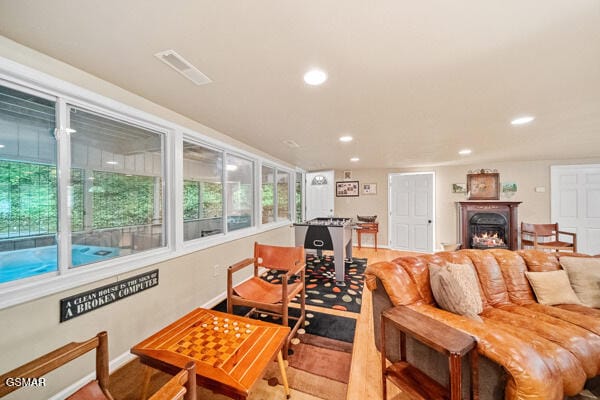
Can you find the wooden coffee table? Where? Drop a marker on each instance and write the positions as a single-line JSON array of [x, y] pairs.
[[231, 353]]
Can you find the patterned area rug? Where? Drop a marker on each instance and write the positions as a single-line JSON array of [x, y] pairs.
[[318, 324], [321, 290]]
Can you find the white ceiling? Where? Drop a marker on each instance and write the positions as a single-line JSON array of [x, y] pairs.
[[412, 81]]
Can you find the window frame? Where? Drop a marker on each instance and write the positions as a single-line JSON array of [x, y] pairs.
[[64, 94], [291, 194]]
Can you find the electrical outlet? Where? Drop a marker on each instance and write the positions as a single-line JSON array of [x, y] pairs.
[[216, 270]]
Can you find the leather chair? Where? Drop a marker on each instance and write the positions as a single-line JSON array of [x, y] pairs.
[[181, 386], [264, 297], [94, 390], [546, 236]]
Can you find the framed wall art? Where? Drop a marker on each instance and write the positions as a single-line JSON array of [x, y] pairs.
[[369, 188], [346, 189], [483, 186], [459, 188]]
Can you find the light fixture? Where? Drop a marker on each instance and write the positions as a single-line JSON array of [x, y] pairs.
[[465, 152], [355, 159], [70, 130], [112, 162], [231, 167], [522, 120], [1, 146], [346, 138], [315, 77]]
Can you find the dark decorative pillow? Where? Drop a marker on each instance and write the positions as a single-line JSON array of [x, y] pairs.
[[456, 289], [366, 218]]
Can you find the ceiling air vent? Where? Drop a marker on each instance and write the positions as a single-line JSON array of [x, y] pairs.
[[179, 64]]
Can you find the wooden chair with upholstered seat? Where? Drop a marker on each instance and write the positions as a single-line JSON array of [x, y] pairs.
[[262, 296], [180, 387], [94, 390], [546, 237]]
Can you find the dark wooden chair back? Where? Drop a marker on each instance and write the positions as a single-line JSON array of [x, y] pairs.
[[542, 230], [546, 236], [97, 389], [181, 386]]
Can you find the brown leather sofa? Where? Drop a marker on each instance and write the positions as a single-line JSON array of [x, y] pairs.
[[527, 350]]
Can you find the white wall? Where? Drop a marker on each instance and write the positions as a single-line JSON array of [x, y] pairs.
[[31, 329]]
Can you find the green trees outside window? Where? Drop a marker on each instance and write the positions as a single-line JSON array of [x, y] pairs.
[[27, 199], [202, 200]]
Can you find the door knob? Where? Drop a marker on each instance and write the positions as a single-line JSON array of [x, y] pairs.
[[428, 221]]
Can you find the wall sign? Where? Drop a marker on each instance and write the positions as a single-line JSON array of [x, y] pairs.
[[79, 304]]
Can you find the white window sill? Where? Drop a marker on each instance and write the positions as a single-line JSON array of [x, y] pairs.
[[21, 291]]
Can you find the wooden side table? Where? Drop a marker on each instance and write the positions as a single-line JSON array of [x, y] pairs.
[[439, 337], [367, 227]]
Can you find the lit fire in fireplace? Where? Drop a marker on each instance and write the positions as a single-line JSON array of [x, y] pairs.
[[488, 239]]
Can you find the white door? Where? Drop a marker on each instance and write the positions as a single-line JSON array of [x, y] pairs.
[[411, 211], [319, 194], [575, 203]]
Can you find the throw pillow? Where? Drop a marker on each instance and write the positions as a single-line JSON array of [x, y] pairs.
[[456, 289], [584, 275], [552, 287]]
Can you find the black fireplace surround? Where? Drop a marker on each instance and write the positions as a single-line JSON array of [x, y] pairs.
[[494, 223], [488, 230]]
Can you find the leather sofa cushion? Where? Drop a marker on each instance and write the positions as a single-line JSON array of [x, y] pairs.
[[584, 275], [455, 289], [552, 287]]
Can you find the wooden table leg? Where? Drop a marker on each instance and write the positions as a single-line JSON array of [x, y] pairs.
[[474, 375], [286, 386], [455, 377], [148, 372], [383, 361]]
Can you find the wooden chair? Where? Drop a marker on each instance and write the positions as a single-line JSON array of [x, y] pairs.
[[181, 386], [262, 296], [549, 235], [94, 390]]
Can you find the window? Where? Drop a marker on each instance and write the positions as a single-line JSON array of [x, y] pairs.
[[116, 188], [283, 195], [28, 185], [202, 191], [240, 192], [299, 179], [268, 194], [108, 195]]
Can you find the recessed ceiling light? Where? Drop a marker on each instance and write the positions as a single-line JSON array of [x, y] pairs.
[[315, 77], [112, 162], [231, 167], [465, 152], [1, 146], [522, 120], [355, 159], [346, 139]]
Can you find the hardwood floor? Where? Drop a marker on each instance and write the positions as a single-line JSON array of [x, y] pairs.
[[365, 373]]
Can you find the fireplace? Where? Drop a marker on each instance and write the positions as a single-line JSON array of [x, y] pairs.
[[488, 231], [488, 224]]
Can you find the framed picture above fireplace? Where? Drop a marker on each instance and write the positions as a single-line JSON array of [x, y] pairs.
[[483, 186]]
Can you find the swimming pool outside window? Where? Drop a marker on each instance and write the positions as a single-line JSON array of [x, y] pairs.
[[28, 185]]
